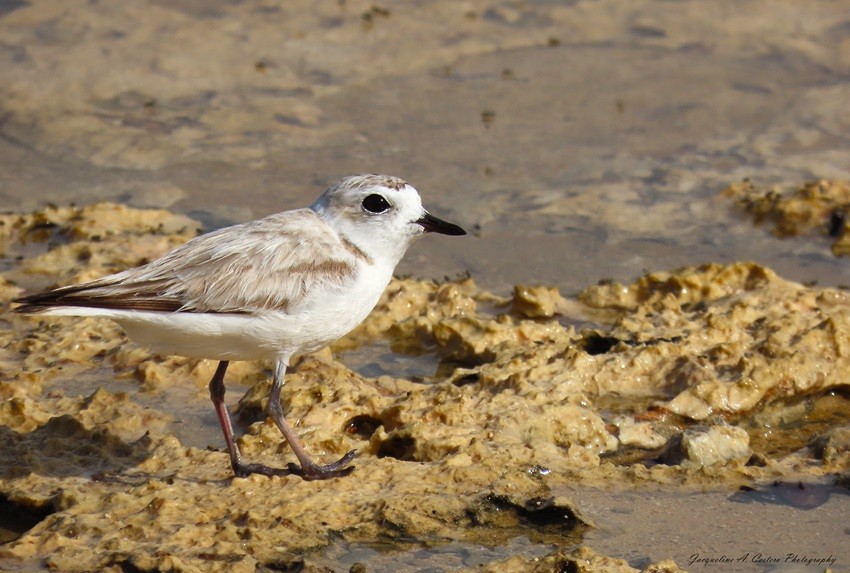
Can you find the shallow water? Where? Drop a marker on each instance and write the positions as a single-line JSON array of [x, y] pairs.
[[424, 557], [644, 526], [611, 129], [757, 534]]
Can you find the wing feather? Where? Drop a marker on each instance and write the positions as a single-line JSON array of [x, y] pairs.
[[267, 264]]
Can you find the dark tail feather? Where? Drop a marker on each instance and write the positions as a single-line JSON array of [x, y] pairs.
[[89, 296], [30, 308], [40, 302]]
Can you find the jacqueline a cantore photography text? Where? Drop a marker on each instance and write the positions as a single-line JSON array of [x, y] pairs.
[[757, 558]]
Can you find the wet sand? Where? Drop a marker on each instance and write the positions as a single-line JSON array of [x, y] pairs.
[[581, 143], [709, 379], [613, 127]]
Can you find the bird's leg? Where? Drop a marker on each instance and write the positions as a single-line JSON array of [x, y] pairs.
[[309, 469], [240, 468]]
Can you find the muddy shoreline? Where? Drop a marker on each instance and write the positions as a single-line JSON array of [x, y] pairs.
[[712, 378]]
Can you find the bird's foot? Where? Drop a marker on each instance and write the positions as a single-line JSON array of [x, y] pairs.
[[313, 471], [307, 472], [244, 470]]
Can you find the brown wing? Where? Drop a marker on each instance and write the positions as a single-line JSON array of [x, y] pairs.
[[257, 266]]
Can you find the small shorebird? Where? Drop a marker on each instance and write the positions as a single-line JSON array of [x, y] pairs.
[[274, 288]]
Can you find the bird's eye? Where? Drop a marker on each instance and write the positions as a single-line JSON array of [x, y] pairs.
[[375, 204]]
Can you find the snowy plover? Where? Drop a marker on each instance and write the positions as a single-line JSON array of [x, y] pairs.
[[274, 288]]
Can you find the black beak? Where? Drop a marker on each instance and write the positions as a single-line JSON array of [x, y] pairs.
[[435, 225]]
